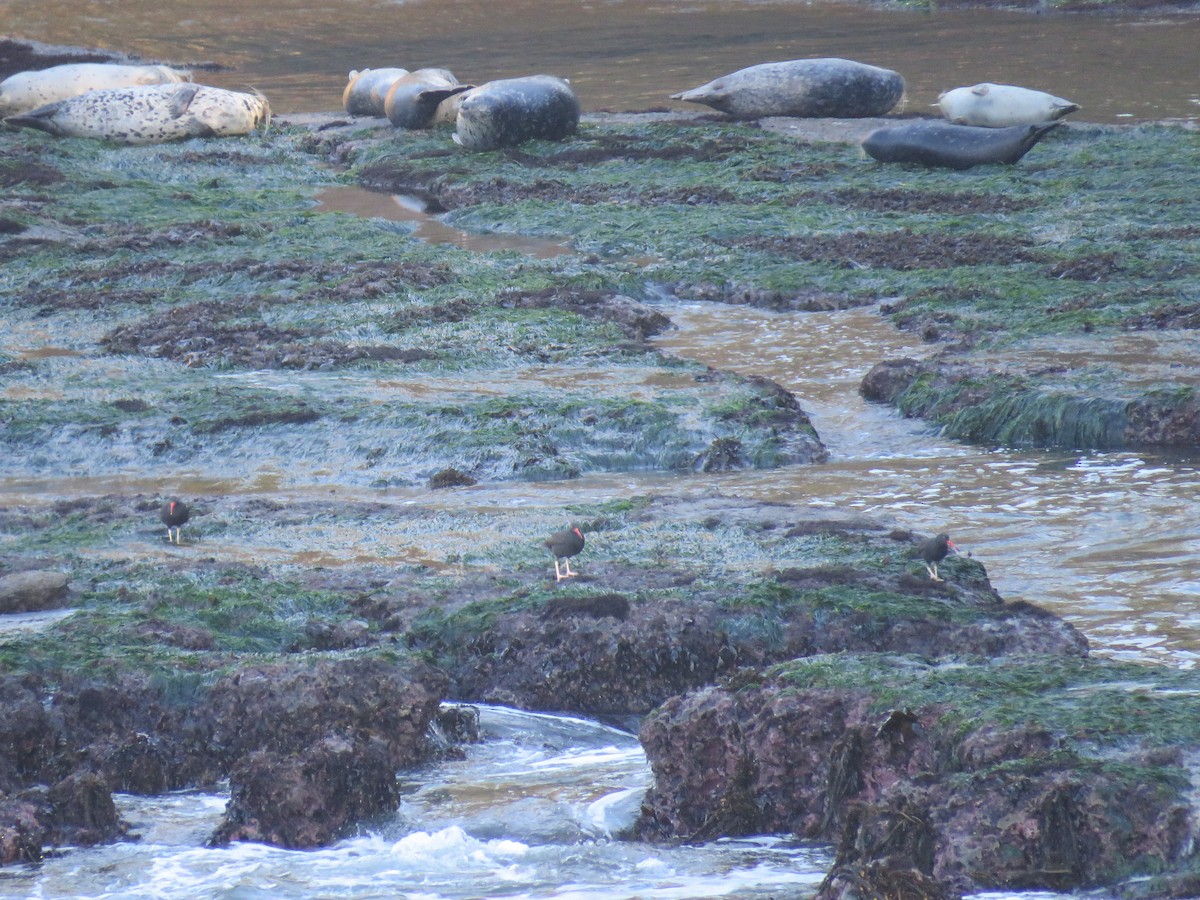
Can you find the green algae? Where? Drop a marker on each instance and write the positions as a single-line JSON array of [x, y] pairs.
[[1067, 242], [172, 623], [1092, 706], [1092, 231]]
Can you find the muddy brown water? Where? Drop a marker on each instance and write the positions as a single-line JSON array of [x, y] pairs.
[[630, 54]]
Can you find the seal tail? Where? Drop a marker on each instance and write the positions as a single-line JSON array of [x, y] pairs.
[[1033, 134], [1064, 109], [40, 119]]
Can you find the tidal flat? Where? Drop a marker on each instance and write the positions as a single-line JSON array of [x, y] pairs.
[[188, 315]]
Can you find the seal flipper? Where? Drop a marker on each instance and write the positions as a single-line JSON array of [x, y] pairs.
[[181, 99], [428, 101], [196, 128], [1036, 133]]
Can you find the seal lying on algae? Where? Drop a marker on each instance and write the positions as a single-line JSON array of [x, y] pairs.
[[511, 111], [954, 146], [412, 100], [1002, 106], [808, 88], [23, 91], [149, 114], [366, 89]]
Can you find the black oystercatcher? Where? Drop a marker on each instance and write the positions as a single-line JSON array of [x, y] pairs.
[[933, 551], [174, 514], [564, 545]]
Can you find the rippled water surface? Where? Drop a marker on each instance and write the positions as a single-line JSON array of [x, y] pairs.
[[630, 54], [1110, 541]]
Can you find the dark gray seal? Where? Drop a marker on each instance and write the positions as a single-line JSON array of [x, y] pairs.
[[954, 146], [510, 111], [805, 88]]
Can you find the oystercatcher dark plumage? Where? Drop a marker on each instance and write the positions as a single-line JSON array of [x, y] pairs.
[[173, 514], [933, 550], [564, 545]]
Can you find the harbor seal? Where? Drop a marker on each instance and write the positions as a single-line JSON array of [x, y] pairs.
[[1002, 106], [510, 111], [148, 114], [937, 143], [412, 100], [366, 89], [806, 88], [23, 91]]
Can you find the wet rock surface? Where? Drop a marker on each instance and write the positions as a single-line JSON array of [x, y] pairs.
[[311, 750], [909, 793], [33, 590], [307, 799], [77, 811]]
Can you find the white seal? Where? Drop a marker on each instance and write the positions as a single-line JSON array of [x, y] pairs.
[[1002, 106], [24, 91]]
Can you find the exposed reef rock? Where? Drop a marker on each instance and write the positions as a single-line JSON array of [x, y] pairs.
[[612, 651], [311, 748], [32, 591], [998, 406], [924, 770]]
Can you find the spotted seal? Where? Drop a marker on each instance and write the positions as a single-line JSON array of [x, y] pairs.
[[510, 111], [1002, 106], [23, 91], [366, 89], [147, 114], [944, 144], [806, 88], [412, 101]]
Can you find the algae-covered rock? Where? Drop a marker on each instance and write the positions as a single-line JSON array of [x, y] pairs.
[[1009, 773]]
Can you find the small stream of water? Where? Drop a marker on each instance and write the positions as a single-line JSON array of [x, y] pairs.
[[529, 813]]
